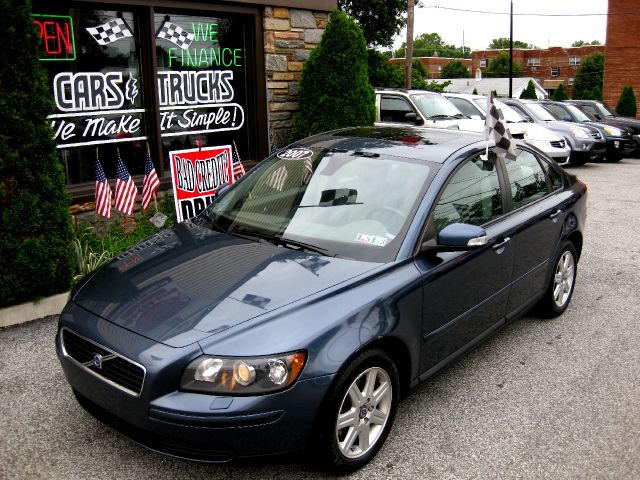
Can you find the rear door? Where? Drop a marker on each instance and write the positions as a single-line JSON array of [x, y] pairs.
[[538, 207]]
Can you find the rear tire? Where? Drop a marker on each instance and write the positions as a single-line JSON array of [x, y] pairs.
[[358, 414], [558, 295]]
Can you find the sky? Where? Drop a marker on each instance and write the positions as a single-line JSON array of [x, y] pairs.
[[478, 29]]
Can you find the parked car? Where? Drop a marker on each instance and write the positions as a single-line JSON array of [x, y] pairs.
[[601, 112], [396, 106], [619, 140], [308, 297], [550, 143], [586, 142]]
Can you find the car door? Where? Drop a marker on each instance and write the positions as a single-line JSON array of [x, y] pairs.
[[465, 293], [539, 205]]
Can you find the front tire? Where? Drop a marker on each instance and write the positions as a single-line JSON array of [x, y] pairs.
[[560, 289], [358, 414]]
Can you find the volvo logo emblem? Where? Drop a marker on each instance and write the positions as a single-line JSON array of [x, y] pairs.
[[97, 360]]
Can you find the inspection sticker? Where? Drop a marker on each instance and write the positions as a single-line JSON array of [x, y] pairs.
[[371, 240]]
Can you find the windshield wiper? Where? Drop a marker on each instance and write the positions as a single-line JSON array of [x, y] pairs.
[[286, 242], [435, 117], [253, 235]]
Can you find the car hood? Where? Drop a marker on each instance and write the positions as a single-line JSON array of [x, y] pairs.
[[536, 132], [186, 283]]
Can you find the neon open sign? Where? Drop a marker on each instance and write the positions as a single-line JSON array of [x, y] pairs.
[[56, 35]]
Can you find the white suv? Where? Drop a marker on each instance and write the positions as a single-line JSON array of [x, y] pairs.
[[544, 139], [421, 107]]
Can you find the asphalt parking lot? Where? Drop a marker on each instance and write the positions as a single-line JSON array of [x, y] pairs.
[[543, 399]]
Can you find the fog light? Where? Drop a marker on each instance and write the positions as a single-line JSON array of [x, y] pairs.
[[208, 370], [278, 372], [616, 143], [244, 373]]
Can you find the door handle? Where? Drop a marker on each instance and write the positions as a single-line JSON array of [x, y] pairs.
[[554, 216], [498, 247]]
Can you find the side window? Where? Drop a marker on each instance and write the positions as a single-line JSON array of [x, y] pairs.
[[472, 195], [464, 106], [524, 114], [558, 112], [395, 109], [554, 176], [526, 178]]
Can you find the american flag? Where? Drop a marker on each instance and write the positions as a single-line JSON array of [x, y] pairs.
[[103, 191], [150, 182], [126, 191], [496, 129], [238, 168]]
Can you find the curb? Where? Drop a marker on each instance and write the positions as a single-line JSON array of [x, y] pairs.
[[25, 312]]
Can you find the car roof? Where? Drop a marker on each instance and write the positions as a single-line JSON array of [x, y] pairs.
[[404, 90], [419, 143]]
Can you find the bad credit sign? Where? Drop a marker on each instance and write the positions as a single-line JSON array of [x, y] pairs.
[[196, 176]]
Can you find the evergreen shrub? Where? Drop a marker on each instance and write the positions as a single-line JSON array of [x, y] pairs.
[[627, 106]]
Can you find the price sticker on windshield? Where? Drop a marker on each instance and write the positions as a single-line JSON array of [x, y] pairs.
[[371, 240]]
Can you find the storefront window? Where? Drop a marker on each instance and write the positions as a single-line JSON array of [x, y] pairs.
[[202, 82], [93, 60]]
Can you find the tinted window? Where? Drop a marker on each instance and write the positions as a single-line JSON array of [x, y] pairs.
[[554, 176], [527, 179], [471, 196], [465, 106], [395, 109]]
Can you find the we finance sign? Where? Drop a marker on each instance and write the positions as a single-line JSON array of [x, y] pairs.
[[197, 174]]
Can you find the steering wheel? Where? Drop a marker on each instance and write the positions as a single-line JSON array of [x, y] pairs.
[[390, 217]]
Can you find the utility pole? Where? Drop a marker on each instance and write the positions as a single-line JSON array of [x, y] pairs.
[[511, 51], [408, 55]]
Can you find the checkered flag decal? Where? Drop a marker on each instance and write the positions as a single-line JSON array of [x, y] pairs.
[[176, 34], [110, 32], [497, 130]]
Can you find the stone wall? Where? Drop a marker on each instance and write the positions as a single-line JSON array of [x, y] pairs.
[[289, 37]]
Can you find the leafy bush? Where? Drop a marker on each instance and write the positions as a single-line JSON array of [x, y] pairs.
[[587, 83], [36, 249], [529, 92], [559, 94], [335, 91], [627, 103], [455, 69]]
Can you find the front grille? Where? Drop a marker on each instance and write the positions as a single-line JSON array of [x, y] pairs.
[[557, 143], [106, 364], [596, 135], [192, 450]]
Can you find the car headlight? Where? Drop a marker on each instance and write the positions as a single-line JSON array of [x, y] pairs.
[[242, 375], [579, 132], [616, 132]]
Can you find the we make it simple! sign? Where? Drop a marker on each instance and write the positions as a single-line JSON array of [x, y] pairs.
[[196, 175]]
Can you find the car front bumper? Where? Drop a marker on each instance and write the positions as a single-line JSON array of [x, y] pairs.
[[194, 426]]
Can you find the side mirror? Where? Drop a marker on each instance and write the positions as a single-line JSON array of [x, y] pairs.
[[458, 237], [413, 117]]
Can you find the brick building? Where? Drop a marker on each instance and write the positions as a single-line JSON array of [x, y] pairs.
[[550, 66], [434, 65], [621, 66]]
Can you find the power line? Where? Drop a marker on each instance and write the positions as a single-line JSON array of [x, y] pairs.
[[625, 12]]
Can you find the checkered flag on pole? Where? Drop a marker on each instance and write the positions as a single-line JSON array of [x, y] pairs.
[[496, 129], [110, 32], [176, 34]]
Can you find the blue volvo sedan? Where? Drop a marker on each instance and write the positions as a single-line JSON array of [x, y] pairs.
[[299, 307]]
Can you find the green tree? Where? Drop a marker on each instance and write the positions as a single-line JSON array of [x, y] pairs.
[[475, 91], [589, 75], [432, 44], [335, 91], [35, 233], [627, 106], [503, 42], [499, 67], [529, 92], [455, 69], [383, 73], [579, 43], [559, 93], [379, 29]]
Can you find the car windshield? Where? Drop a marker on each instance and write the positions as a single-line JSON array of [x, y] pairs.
[[338, 203], [604, 109], [577, 113], [435, 106], [509, 114], [539, 112]]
